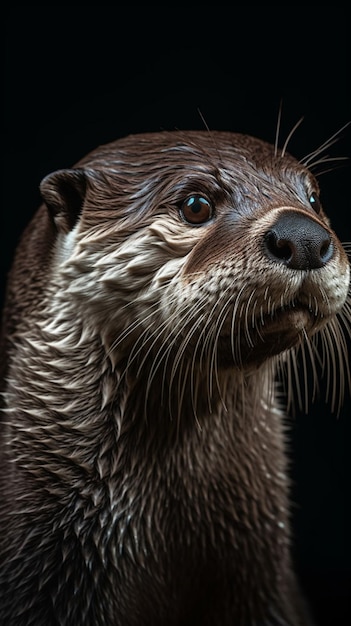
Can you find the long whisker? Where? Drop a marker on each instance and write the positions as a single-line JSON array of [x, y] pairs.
[[128, 331], [208, 347], [203, 120], [335, 168], [137, 323], [284, 148], [329, 159], [296, 377], [144, 339], [276, 141], [338, 162], [236, 349], [214, 359], [324, 146], [177, 333], [177, 364]]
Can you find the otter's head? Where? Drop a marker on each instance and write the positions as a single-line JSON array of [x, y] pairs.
[[204, 247]]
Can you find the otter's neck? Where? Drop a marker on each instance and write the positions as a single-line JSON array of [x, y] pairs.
[[103, 435], [65, 382]]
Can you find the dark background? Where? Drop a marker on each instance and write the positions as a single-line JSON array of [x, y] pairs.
[[76, 77]]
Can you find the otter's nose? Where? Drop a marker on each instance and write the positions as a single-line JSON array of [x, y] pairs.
[[299, 242]]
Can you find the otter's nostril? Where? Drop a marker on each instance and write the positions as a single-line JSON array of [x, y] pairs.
[[326, 251], [279, 248]]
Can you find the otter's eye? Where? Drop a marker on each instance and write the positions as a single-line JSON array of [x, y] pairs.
[[196, 210], [315, 202]]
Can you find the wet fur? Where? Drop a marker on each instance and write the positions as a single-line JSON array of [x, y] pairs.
[[144, 475]]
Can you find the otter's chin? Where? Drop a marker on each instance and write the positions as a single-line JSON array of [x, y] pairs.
[[268, 338]]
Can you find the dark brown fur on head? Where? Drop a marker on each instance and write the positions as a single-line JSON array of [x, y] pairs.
[[143, 466]]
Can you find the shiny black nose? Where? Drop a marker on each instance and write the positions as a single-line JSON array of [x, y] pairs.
[[299, 242]]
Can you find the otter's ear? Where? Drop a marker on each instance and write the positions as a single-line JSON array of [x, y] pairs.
[[63, 192]]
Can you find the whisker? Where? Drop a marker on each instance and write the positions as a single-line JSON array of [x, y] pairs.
[[162, 355], [128, 331], [139, 322], [203, 120], [345, 317], [324, 146], [195, 387], [214, 359], [343, 361], [232, 335], [313, 356], [178, 363], [209, 328], [338, 163], [182, 382], [284, 148], [195, 308], [284, 375], [142, 341], [215, 335], [295, 371], [329, 159], [333, 352], [276, 141], [304, 371], [336, 364], [320, 172], [207, 343], [247, 329], [191, 314]]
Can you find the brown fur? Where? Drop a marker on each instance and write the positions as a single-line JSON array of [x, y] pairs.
[[144, 477]]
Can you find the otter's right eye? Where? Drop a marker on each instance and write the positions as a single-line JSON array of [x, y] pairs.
[[196, 210], [315, 202]]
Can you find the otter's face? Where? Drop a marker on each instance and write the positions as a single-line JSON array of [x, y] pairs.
[[200, 246]]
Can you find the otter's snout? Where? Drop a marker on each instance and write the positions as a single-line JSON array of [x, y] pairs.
[[299, 242]]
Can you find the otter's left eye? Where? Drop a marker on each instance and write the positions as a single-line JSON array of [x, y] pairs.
[[196, 210], [315, 202]]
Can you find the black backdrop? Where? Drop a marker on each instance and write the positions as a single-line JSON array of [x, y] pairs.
[[76, 77]]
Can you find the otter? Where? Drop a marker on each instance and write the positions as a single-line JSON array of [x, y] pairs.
[[161, 286]]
